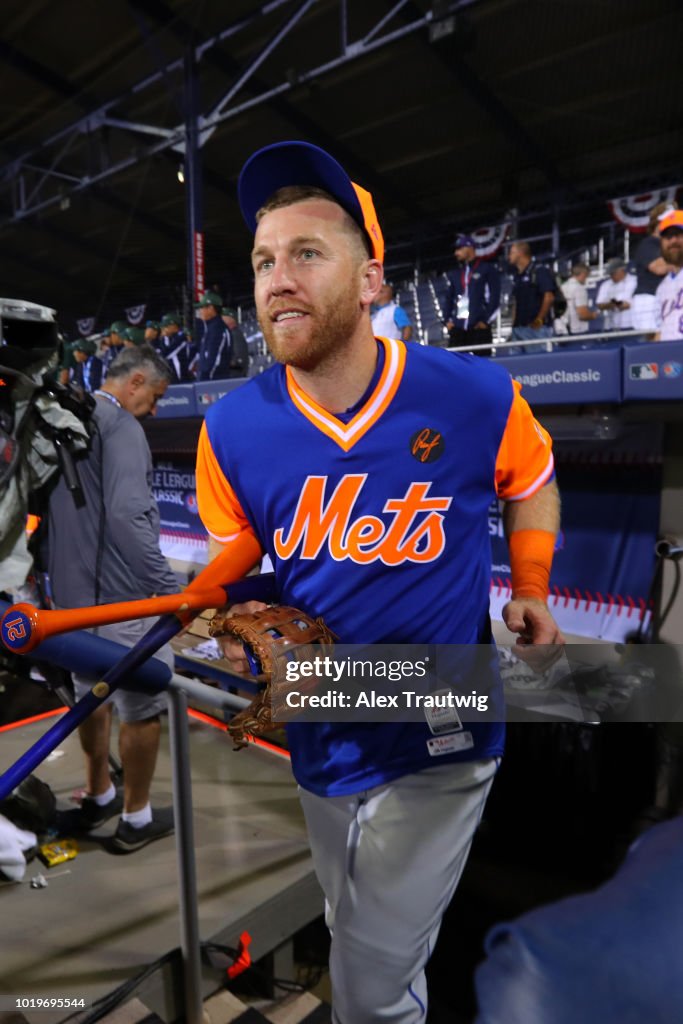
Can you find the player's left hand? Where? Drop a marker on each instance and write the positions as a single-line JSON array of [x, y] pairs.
[[232, 649], [540, 641]]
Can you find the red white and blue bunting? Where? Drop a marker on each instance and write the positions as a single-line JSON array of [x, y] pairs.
[[86, 326], [487, 241], [634, 211], [135, 314]]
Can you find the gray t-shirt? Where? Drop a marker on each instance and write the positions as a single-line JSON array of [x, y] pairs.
[[116, 476]]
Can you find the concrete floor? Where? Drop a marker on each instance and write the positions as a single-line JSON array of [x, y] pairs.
[[103, 917]]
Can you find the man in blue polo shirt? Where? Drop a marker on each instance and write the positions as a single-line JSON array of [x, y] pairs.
[[472, 299], [533, 294]]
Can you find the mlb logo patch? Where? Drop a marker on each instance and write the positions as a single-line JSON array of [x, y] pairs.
[[671, 370], [644, 371]]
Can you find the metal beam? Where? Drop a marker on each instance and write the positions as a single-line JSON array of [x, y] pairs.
[[175, 138], [99, 110], [273, 42], [310, 128], [194, 204], [137, 126], [383, 21]]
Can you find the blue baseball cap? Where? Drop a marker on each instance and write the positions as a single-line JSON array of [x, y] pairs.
[[301, 163], [463, 240]]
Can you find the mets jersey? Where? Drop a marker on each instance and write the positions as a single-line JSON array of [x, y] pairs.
[[378, 521], [670, 302]]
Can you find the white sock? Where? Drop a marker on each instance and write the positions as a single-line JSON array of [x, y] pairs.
[[105, 798], [138, 819]]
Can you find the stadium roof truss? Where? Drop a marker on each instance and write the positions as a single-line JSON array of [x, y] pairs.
[[78, 156]]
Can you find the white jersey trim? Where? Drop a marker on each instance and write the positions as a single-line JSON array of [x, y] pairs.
[[536, 485]]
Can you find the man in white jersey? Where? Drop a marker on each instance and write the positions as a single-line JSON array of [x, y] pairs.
[[670, 291], [615, 296]]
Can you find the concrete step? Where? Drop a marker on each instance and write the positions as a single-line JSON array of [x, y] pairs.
[[226, 1008], [299, 1008]]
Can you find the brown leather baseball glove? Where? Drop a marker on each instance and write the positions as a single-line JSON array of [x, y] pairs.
[[270, 638]]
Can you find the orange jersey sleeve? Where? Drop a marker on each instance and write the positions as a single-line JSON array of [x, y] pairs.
[[218, 504], [525, 458]]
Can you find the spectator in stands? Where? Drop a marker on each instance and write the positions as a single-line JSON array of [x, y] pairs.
[[116, 332], [615, 296], [669, 295], [213, 340], [473, 297], [153, 334], [177, 349], [389, 320], [533, 292], [133, 336], [88, 369], [239, 359], [650, 268], [579, 315], [104, 345], [67, 362]]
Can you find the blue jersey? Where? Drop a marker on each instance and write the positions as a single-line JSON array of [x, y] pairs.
[[379, 524]]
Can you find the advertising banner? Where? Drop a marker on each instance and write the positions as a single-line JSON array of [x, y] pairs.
[[605, 553], [653, 372], [557, 378], [183, 537]]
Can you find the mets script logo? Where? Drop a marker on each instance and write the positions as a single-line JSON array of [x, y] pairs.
[[427, 445], [412, 530]]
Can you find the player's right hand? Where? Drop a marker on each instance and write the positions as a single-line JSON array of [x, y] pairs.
[[233, 652]]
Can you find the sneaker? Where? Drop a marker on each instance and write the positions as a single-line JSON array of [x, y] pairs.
[[128, 839], [90, 815]]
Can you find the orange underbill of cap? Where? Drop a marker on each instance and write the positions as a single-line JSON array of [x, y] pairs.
[[671, 220], [372, 228]]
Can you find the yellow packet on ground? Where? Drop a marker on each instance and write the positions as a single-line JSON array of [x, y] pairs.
[[58, 852]]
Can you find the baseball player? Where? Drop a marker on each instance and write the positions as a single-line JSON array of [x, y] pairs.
[[365, 468], [670, 292]]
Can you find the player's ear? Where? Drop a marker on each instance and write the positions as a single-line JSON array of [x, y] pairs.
[[373, 275], [136, 380]]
